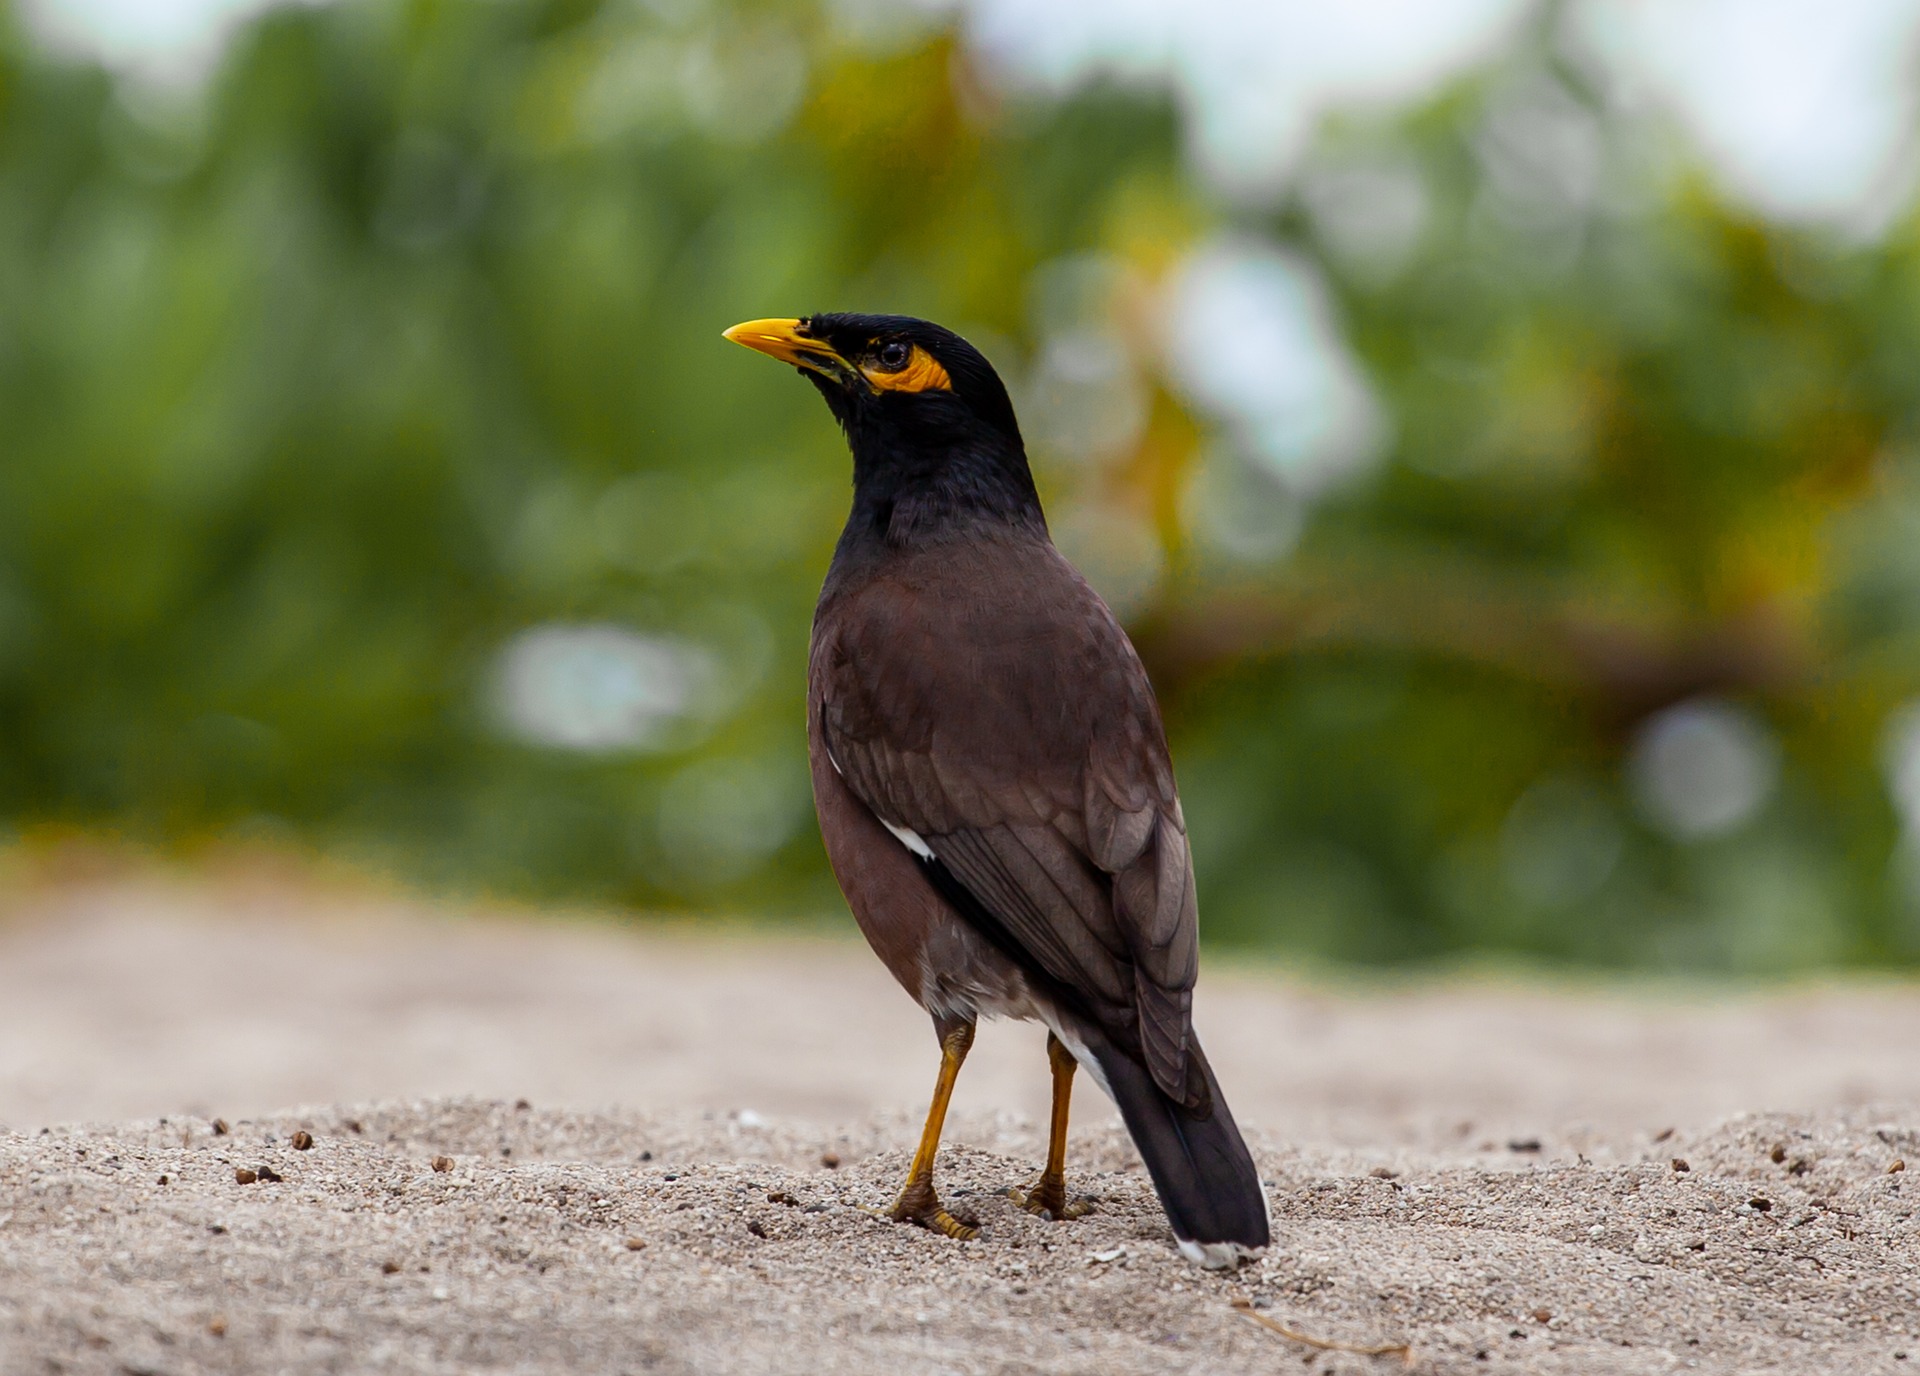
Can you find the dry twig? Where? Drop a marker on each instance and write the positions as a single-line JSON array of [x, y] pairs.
[[1403, 1351]]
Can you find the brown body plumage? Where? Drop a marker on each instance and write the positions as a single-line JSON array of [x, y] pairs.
[[980, 695]]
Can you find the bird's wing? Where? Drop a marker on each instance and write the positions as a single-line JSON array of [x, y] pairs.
[[1001, 725]]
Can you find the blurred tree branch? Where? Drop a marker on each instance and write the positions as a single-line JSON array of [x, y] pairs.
[[1622, 667]]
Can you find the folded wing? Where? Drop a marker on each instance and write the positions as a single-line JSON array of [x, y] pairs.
[[1017, 738]]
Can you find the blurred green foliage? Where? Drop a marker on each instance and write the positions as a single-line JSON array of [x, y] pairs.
[[321, 386]]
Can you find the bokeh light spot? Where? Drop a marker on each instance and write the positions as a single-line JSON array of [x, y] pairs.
[[1702, 768], [596, 687]]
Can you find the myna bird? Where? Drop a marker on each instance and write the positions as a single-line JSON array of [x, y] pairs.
[[992, 778]]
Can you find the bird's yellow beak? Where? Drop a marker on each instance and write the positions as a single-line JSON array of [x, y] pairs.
[[787, 341], [790, 342]]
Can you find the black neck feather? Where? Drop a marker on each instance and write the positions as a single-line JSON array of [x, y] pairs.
[[920, 479]]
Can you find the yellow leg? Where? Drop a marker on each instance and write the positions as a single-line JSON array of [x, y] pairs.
[[918, 1203], [1048, 1195]]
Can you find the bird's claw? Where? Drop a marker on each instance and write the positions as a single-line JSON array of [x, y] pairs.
[[1047, 1198], [922, 1206]]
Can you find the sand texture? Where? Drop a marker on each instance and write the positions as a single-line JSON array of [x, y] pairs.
[[566, 1146]]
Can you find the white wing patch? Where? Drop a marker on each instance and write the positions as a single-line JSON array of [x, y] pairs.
[[907, 837]]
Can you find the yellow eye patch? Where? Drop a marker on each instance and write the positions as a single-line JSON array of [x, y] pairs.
[[923, 373]]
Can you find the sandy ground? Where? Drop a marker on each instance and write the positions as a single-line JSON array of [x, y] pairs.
[[658, 1151]]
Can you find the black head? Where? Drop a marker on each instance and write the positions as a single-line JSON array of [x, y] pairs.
[[893, 371], [933, 434]]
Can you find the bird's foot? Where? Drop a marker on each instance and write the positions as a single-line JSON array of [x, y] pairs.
[[919, 1204], [1047, 1197]]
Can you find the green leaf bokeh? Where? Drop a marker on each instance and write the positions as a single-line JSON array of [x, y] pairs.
[[319, 387]]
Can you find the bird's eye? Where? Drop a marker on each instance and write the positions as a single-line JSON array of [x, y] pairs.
[[892, 355]]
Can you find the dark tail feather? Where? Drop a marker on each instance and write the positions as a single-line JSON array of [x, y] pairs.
[[1200, 1166]]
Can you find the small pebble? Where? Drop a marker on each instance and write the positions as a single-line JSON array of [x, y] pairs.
[[1898, 1166], [443, 1164], [219, 1127], [164, 1180], [243, 1176], [302, 1140], [1777, 1155], [267, 1173], [1543, 1315], [756, 1227], [1680, 1166], [389, 1268], [830, 1160], [1384, 1173], [1760, 1204], [636, 1244], [521, 1105], [217, 1325], [1524, 1144]]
